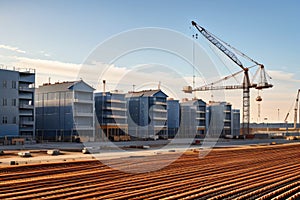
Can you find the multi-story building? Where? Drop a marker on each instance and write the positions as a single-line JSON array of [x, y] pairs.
[[147, 114], [193, 118], [17, 103], [111, 116], [65, 111], [219, 119], [173, 108], [235, 122]]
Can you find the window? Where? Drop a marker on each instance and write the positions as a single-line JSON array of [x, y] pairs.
[[14, 84], [4, 103], [4, 84], [14, 120], [14, 102], [4, 120]]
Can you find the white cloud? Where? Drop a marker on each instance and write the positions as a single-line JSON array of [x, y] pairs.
[[10, 48], [283, 76], [45, 54], [57, 70]]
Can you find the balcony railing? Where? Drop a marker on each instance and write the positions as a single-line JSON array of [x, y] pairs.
[[160, 103], [119, 124], [201, 127], [160, 118], [26, 128], [26, 106], [200, 118], [84, 127], [115, 101], [159, 110], [25, 96], [29, 113], [200, 111], [27, 78], [26, 89], [115, 108], [115, 116], [83, 101], [26, 122], [82, 114]]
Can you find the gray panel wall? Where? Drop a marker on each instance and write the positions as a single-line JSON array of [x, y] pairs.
[[9, 111]]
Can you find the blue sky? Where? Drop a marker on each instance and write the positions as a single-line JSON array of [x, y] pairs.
[[70, 29], [65, 32]]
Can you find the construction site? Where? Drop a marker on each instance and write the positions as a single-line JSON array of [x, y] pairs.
[[254, 161], [248, 172]]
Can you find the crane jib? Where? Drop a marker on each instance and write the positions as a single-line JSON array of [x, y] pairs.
[[219, 45]]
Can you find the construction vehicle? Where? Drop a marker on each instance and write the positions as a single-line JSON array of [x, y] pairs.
[[262, 83], [295, 115]]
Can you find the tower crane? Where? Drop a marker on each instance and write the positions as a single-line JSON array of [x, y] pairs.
[[245, 86], [295, 113]]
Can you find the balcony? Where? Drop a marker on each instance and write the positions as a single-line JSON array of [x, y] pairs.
[[28, 78], [82, 114], [200, 111], [26, 106], [24, 113], [115, 101], [160, 118], [160, 127], [83, 101], [26, 123], [26, 89], [200, 118], [25, 96], [115, 108], [159, 110], [160, 103], [200, 127], [106, 125], [84, 128], [26, 128], [115, 116]]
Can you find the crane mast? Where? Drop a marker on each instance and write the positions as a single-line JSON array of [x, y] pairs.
[[296, 110], [295, 115], [246, 85]]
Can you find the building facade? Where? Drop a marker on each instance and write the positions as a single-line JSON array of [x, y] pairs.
[[219, 119], [147, 114], [173, 108], [65, 112], [17, 103], [193, 118], [111, 116], [235, 122]]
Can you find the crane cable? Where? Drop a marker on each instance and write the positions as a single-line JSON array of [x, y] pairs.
[[222, 61], [235, 49]]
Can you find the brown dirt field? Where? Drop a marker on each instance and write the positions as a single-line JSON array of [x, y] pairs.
[[263, 172]]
